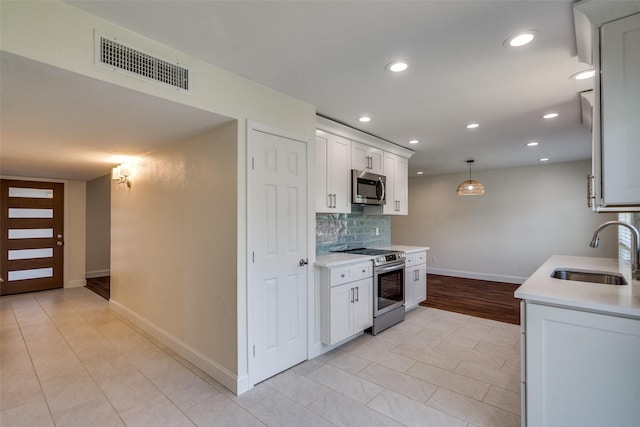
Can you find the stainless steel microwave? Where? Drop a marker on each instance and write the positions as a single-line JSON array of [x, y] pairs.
[[367, 188]]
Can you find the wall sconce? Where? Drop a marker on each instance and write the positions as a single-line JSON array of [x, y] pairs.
[[122, 174]]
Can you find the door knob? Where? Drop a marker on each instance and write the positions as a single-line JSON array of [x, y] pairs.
[[303, 262], [59, 243]]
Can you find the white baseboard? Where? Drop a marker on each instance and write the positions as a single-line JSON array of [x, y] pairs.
[[75, 283], [228, 379], [97, 273], [478, 276]]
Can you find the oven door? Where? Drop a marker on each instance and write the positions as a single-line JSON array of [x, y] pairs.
[[389, 292]]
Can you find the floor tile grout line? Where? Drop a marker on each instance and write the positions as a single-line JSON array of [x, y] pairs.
[[35, 373], [83, 366]]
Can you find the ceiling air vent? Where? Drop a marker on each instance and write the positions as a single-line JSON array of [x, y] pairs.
[[131, 60]]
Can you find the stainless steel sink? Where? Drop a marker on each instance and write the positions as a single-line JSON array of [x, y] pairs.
[[589, 276]]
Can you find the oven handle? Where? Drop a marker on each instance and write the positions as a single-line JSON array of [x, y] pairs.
[[396, 266]]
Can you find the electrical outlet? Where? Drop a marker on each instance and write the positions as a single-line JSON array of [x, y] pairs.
[[377, 231]]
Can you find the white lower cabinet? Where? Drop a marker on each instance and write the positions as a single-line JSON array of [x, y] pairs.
[[581, 368], [415, 279], [346, 301]]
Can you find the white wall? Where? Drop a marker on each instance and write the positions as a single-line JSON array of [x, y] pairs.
[[526, 215], [75, 234], [173, 246], [98, 236]]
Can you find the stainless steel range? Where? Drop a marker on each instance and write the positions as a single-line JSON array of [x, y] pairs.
[[388, 285]]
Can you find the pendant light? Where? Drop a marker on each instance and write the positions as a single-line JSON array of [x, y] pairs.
[[470, 187]]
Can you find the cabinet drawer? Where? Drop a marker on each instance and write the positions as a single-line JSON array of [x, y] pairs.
[[349, 273], [416, 258]]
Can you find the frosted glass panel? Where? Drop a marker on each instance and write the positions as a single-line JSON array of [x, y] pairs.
[[31, 193], [36, 273], [31, 233], [30, 253], [30, 213]]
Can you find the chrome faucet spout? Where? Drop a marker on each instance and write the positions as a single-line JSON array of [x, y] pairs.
[[635, 240]]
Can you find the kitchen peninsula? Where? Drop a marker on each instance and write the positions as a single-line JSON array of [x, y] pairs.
[[580, 346]]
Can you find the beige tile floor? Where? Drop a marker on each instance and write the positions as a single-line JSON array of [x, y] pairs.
[[68, 360]]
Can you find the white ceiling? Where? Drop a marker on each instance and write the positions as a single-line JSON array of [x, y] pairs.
[[332, 54]]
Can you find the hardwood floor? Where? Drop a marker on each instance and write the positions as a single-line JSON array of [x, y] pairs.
[[101, 286], [489, 300]]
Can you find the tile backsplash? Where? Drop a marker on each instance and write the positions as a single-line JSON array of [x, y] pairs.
[[335, 232]]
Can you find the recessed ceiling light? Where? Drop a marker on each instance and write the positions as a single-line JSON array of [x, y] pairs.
[[419, 173], [520, 39], [544, 159], [364, 119], [472, 125], [550, 116], [414, 141], [583, 75], [397, 66], [532, 144]]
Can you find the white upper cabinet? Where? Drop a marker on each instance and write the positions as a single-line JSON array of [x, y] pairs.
[[333, 175], [620, 112], [366, 158], [339, 149], [608, 36], [397, 172]]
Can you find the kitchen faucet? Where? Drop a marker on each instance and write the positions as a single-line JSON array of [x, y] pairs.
[[635, 239]]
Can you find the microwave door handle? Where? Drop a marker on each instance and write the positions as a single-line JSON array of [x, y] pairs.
[[382, 187]]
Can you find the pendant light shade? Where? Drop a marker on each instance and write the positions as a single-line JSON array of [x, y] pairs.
[[470, 187]]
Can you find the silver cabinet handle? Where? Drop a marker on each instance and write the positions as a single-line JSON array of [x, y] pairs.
[[416, 275], [352, 295], [357, 293], [328, 200], [334, 200], [591, 198]]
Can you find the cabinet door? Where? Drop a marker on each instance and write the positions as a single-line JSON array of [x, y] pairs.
[[340, 312], [401, 185], [339, 173], [390, 206], [581, 368], [377, 160], [323, 198], [363, 305], [415, 285], [333, 175], [620, 110], [397, 172], [366, 158], [421, 284]]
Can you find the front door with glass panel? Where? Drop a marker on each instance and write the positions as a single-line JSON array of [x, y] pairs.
[[31, 221]]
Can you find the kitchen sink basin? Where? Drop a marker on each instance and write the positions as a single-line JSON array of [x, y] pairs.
[[588, 276]]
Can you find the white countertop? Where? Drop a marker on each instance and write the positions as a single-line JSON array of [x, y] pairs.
[[334, 259], [405, 249], [614, 299]]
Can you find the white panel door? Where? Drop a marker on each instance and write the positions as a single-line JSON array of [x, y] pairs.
[[278, 283]]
